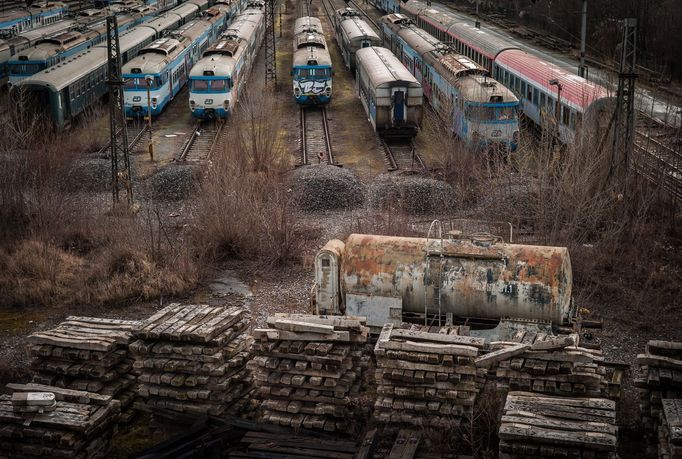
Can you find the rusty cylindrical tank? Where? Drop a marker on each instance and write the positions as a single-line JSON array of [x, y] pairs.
[[476, 277]]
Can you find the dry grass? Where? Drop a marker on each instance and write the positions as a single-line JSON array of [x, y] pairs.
[[245, 209], [56, 250]]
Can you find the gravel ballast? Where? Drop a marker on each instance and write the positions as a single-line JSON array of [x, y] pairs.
[[412, 194], [323, 187]]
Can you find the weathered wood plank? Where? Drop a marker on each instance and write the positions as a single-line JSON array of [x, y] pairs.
[[552, 344], [522, 432], [275, 335], [430, 348], [489, 359], [659, 361], [437, 337], [302, 326], [68, 395]]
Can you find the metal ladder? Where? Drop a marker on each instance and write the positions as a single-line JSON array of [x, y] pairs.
[[427, 271]]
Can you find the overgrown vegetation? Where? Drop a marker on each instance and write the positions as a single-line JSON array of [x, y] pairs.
[[245, 209], [60, 248]]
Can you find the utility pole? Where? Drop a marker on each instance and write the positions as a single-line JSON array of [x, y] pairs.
[[624, 117], [582, 69], [270, 48], [120, 158]]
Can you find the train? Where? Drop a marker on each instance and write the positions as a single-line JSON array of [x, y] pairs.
[[391, 95], [35, 16], [312, 66], [51, 50], [217, 79], [477, 108], [390, 279], [64, 91], [552, 97], [352, 34], [159, 71]]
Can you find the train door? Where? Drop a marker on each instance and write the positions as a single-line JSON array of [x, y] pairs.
[[399, 105]]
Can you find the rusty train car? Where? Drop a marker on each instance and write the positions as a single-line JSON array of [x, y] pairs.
[[394, 279]]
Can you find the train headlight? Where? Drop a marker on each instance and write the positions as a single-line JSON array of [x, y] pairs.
[[328, 91], [515, 137], [154, 102], [226, 104], [192, 105], [297, 92]]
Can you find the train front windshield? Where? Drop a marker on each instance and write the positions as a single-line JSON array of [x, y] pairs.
[[492, 113], [314, 73], [210, 86], [132, 83], [26, 69]]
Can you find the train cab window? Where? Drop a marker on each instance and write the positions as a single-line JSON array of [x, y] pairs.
[[130, 83], [506, 113], [218, 85], [199, 85]]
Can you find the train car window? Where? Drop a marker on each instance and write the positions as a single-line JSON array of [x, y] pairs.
[[565, 115], [506, 113], [571, 120], [523, 87], [542, 99], [131, 83], [535, 96]]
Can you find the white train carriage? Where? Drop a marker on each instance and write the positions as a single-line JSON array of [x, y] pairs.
[[160, 71], [391, 95], [217, 80], [341, 15], [64, 91], [355, 34], [312, 65]]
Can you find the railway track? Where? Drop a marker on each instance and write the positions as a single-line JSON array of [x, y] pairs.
[[200, 145], [402, 155], [131, 144], [315, 136], [657, 154]]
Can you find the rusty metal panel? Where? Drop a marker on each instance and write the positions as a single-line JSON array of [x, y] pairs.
[[378, 310], [479, 277]]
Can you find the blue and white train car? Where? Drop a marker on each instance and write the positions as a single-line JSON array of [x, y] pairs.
[[19, 42], [477, 108], [163, 67], [387, 6], [64, 91], [36, 16], [312, 65], [217, 79], [53, 50]]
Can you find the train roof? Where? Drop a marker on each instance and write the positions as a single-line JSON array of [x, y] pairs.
[[37, 8], [216, 64], [65, 73], [33, 35], [418, 39], [354, 27], [348, 13], [383, 68], [483, 89], [310, 40], [304, 57], [163, 22], [307, 23], [481, 40], [578, 91]]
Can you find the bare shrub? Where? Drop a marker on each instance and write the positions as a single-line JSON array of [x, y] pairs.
[[244, 209]]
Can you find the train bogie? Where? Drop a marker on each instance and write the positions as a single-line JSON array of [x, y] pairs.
[[391, 96]]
